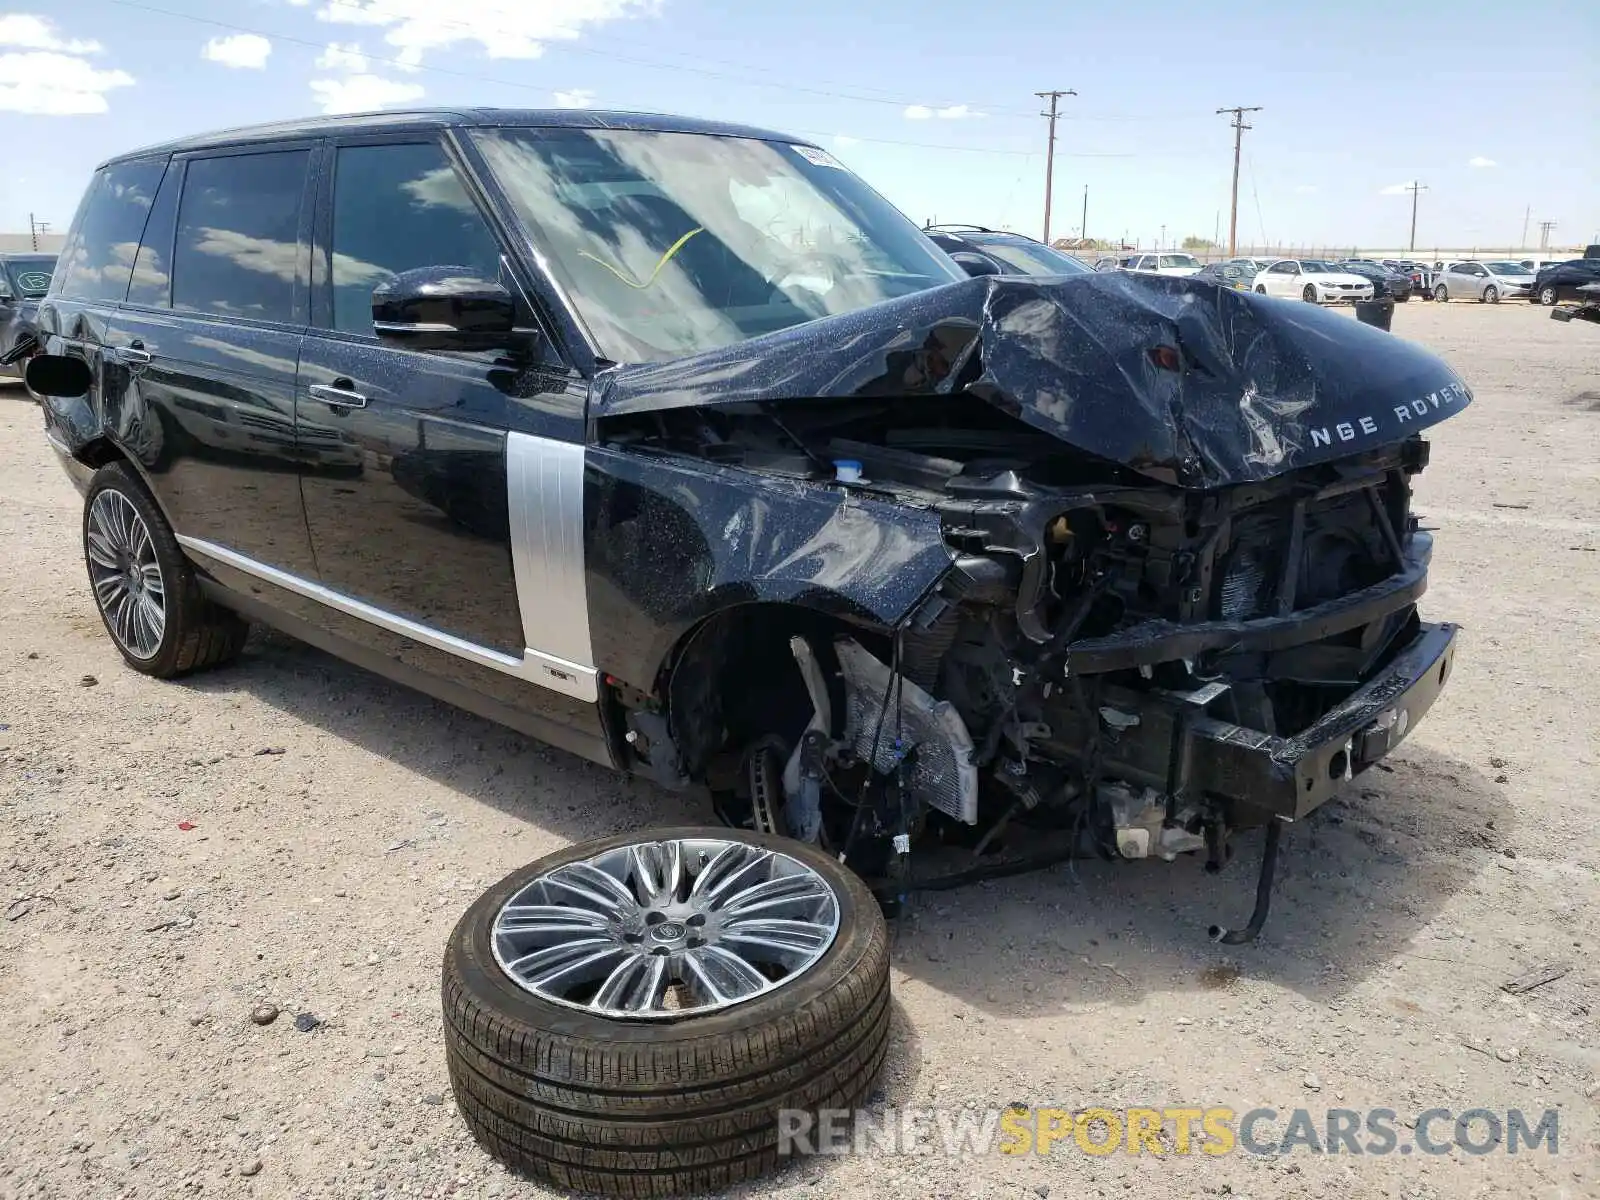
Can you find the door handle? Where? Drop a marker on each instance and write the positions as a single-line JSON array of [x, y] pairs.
[[135, 354], [338, 397]]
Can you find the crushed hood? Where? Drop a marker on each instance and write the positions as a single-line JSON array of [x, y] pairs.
[[1263, 386]]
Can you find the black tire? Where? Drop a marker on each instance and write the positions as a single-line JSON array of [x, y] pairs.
[[1309, 294], [661, 1108], [1260, 290], [1548, 296], [1442, 296], [197, 634], [1491, 295]]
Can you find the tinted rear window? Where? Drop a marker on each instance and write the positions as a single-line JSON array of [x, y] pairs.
[[30, 276], [98, 258], [238, 250]]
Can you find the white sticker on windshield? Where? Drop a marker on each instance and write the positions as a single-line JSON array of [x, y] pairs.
[[817, 158]]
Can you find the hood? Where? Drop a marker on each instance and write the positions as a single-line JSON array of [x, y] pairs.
[[1262, 386], [1340, 277]]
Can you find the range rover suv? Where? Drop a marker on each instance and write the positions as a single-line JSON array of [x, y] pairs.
[[675, 445]]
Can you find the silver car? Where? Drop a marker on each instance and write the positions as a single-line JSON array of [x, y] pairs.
[[1486, 282]]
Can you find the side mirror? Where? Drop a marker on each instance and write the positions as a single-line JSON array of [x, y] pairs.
[[444, 308], [975, 264], [57, 376]]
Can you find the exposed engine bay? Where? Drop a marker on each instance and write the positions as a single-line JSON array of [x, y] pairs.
[[1130, 654]]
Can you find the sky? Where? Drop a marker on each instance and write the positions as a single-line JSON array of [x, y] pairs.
[[1495, 107]]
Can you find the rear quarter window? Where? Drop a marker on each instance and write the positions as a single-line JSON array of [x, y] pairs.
[[98, 258]]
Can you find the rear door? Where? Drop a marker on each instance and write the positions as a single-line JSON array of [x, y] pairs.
[[207, 346]]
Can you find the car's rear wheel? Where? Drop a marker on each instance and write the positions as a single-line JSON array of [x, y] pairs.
[[1547, 297], [144, 588], [1260, 290], [630, 1016], [1441, 295], [1491, 294], [1309, 295]]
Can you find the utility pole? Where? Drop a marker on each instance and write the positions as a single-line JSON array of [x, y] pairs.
[[1544, 234], [1238, 138], [1526, 213], [1414, 188], [1050, 152], [35, 228], [1083, 233]]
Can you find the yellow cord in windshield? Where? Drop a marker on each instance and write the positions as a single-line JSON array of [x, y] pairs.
[[627, 278]]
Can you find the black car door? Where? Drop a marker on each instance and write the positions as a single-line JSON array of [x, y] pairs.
[[206, 348], [414, 536]]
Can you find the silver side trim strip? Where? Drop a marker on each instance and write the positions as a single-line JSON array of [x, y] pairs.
[[57, 444], [544, 485], [547, 670]]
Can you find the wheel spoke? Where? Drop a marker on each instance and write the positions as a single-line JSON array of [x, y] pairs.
[[784, 892], [723, 975], [778, 935], [551, 920], [99, 547], [658, 867], [569, 961], [633, 985], [723, 873], [152, 580], [605, 892]]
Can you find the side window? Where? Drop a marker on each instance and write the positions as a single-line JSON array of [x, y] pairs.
[[395, 208], [152, 269], [238, 246], [1284, 268], [99, 255]]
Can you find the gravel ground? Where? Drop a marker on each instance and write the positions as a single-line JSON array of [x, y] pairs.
[[297, 833]]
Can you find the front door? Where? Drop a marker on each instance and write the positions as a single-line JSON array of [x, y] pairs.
[[408, 512]]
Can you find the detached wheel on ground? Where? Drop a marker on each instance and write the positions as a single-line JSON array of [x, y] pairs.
[[143, 586], [629, 1016]]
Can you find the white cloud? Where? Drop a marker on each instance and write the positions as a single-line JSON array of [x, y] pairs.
[[1481, 161], [343, 58], [576, 98], [244, 50], [55, 85], [416, 27], [1396, 189], [36, 33], [1305, 189], [361, 93], [844, 140], [953, 112]]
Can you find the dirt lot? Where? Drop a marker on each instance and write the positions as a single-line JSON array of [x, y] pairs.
[[323, 876]]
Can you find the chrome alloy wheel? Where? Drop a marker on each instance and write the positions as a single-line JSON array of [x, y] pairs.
[[662, 930], [125, 574]]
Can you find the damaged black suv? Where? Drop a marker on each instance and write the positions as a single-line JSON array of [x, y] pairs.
[[673, 444]]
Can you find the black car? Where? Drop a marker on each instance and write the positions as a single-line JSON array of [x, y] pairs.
[[1239, 276], [1420, 275], [981, 251], [1561, 281], [24, 279], [675, 445], [1385, 280]]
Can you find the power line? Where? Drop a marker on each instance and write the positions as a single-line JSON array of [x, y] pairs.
[[1050, 152], [1238, 140], [1544, 234]]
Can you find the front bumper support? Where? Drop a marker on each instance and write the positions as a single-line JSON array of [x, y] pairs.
[[1288, 777]]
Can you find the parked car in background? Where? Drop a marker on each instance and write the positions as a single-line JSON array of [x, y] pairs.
[[1385, 280], [1164, 264], [1486, 282], [1314, 281], [1420, 274], [1254, 265], [1240, 276], [1561, 281], [1008, 253], [24, 279]]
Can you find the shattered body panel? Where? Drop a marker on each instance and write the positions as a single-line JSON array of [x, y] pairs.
[[1263, 387], [669, 542]]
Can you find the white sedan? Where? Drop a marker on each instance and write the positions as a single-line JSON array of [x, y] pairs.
[[1313, 281]]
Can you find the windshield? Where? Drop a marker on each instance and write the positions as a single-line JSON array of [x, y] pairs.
[[30, 276], [669, 244], [1506, 268], [1180, 260], [1031, 258]]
